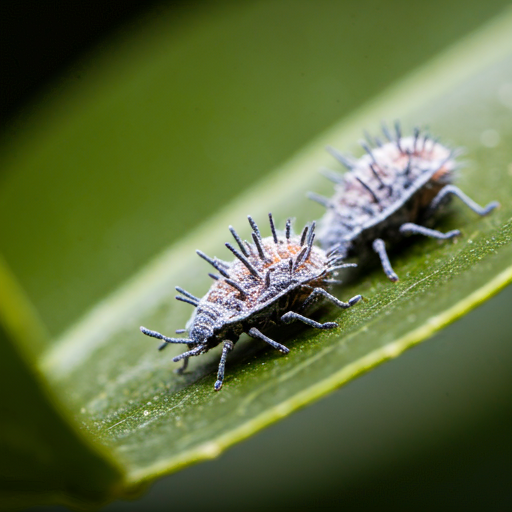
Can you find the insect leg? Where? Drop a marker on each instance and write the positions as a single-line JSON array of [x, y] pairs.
[[227, 347], [291, 316], [194, 352], [323, 293], [257, 334], [413, 229], [380, 248], [183, 367], [452, 189]]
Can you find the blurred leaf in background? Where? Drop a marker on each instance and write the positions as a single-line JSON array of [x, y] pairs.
[[153, 135]]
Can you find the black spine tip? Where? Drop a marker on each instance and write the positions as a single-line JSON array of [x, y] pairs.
[[368, 189], [244, 260], [188, 301], [369, 151], [212, 262], [259, 247], [303, 235], [272, 227], [311, 235], [238, 240], [254, 226]]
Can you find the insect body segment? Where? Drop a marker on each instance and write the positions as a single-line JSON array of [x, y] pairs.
[[388, 193], [272, 280]]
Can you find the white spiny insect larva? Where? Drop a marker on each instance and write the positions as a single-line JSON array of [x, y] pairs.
[[391, 191], [272, 280]]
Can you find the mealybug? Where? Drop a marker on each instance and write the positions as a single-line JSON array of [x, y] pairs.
[[272, 280], [391, 191]]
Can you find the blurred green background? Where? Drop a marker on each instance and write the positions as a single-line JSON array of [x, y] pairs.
[[157, 125], [178, 112]]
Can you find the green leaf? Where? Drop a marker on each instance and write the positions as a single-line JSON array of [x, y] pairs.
[[139, 420], [157, 422], [39, 446]]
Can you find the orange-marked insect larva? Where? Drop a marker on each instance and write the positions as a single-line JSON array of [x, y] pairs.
[[390, 192], [273, 280]]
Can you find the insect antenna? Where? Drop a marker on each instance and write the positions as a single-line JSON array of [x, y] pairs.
[[367, 187], [272, 228], [214, 263], [238, 240], [324, 201], [244, 260], [235, 285], [214, 276], [180, 331], [158, 336], [254, 226], [333, 176], [288, 228], [342, 159]]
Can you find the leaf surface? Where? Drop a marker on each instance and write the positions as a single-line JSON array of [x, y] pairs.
[[156, 422], [113, 414]]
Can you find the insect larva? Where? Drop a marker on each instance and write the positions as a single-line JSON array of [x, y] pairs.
[[271, 280], [390, 192]]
